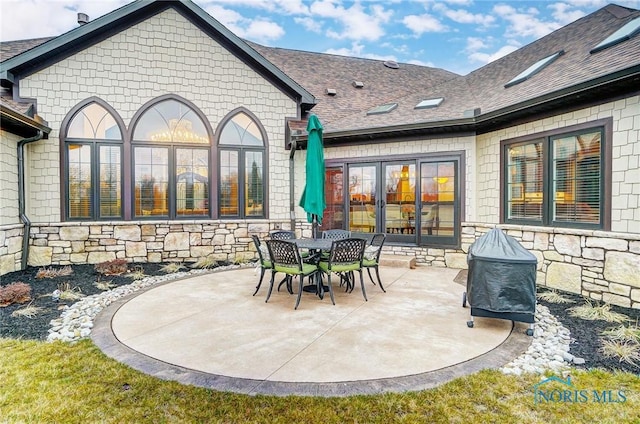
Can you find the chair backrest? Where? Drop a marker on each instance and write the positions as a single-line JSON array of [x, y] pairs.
[[336, 234], [350, 250], [282, 235], [263, 250], [374, 249], [284, 254]]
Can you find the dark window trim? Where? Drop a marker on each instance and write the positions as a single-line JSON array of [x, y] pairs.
[[606, 124], [265, 163], [454, 155], [64, 162], [130, 183]]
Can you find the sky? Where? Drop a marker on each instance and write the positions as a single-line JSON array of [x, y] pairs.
[[456, 35]]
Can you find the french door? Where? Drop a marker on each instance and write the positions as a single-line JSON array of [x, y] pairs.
[[412, 200]]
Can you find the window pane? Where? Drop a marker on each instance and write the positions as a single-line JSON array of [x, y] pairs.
[[151, 181], [110, 182], [241, 130], [94, 122], [192, 182], [229, 183], [254, 188], [334, 213], [171, 121], [576, 178], [79, 189], [524, 181]]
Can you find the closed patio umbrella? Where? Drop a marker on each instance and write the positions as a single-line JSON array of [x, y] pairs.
[[312, 200]]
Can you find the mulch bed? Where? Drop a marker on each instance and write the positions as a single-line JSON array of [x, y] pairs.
[[82, 280], [586, 335]]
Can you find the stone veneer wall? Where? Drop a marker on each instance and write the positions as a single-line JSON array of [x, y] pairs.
[[10, 248], [597, 264], [157, 241]]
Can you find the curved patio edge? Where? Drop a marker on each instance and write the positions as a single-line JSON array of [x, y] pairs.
[[104, 338]]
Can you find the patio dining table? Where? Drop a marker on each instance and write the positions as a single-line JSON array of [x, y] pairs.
[[316, 246]]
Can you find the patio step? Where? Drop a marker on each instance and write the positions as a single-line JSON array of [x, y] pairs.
[[397, 261]]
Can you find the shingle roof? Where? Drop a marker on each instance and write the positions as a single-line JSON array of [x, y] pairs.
[[318, 72], [9, 49], [484, 88]]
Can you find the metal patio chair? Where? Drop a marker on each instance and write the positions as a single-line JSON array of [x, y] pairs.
[[286, 259], [264, 258], [345, 258], [372, 257], [282, 235]]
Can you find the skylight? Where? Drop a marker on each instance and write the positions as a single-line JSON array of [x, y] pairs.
[[630, 29], [429, 103], [382, 109], [534, 69]]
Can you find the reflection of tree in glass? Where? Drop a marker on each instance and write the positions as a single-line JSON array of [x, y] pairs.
[[255, 186], [146, 192]]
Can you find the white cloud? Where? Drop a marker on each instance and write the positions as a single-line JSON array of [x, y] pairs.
[[263, 30], [564, 14], [356, 23], [357, 50], [309, 24], [291, 7], [474, 44], [421, 63], [419, 24], [524, 24], [485, 58], [47, 18], [259, 29], [463, 16]]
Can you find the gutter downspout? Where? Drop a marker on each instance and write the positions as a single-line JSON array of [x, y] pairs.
[[292, 201], [21, 197]]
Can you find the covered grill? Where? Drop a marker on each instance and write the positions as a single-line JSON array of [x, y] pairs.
[[501, 282]]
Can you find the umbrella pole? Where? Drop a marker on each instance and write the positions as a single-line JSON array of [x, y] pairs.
[[314, 226]]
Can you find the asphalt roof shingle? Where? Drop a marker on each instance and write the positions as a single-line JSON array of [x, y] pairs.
[[483, 88]]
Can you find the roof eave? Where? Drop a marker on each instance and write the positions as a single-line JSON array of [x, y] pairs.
[[18, 123], [129, 15], [582, 90]]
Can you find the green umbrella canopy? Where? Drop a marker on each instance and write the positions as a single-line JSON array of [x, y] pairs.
[[312, 200]]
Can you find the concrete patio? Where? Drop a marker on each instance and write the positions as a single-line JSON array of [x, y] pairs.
[[207, 330]]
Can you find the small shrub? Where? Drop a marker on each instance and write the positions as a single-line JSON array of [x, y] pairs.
[[624, 351], [137, 274], [104, 285], [18, 292], [53, 273], [623, 334], [172, 268], [69, 293], [205, 262], [239, 260], [591, 312], [113, 267], [28, 311], [553, 297]]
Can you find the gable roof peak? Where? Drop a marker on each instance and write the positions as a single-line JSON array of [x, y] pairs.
[[619, 12]]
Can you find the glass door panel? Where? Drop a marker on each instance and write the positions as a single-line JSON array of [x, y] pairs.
[[363, 187], [439, 203], [400, 200], [333, 217]]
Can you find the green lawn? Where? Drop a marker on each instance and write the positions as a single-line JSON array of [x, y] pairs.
[[56, 382]]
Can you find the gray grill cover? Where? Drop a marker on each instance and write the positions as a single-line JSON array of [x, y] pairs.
[[502, 275]]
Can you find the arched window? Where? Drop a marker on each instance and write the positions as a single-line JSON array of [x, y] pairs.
[[242, 168], [93, 158], [171, 152]]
